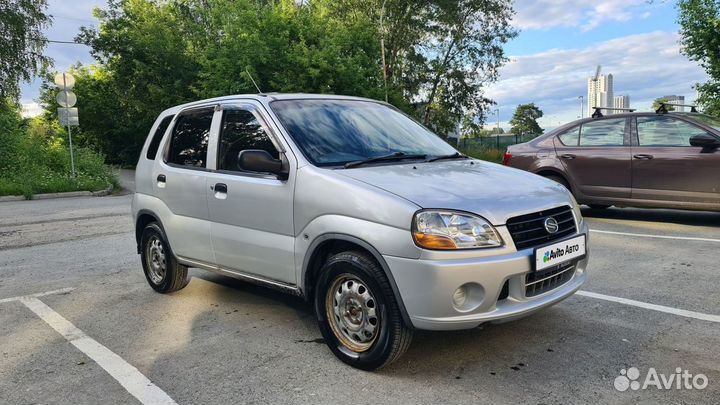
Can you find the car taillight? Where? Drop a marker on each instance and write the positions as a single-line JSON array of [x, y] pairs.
[[506, 158]]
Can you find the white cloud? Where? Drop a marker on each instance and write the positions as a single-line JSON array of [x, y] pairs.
[[585, 14], [644, 66]]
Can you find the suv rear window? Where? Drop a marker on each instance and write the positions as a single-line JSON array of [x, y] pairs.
[[157, 137], [189, 142]]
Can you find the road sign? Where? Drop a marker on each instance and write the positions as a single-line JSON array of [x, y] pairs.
[[66, 98], [68, 117], [65, 81]]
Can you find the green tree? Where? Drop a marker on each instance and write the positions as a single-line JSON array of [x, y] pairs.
[[524, 121], [441, 53], [21, 49], [659, 101], [700, 30]]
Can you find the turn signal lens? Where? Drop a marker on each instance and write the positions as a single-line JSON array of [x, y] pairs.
[[434, 241], [447, 230]]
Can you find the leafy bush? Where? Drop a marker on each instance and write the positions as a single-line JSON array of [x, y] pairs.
[[35, 158]]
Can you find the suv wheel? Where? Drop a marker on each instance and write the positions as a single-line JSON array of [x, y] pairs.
[[162, 270], [358, 315]]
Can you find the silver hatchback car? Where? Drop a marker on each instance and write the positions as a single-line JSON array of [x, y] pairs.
[[354, 206]]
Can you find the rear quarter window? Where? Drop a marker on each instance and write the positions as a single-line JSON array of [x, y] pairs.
[[157, 137]]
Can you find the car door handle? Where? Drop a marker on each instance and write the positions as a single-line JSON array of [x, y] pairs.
[[161, 180], [643, 157], [219, 188], [568, 156]]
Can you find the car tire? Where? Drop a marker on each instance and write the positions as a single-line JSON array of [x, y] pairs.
[[357, 312], [162, 271], [599, 206], [559, 180]]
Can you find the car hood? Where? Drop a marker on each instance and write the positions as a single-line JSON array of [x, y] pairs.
[[492, 191]]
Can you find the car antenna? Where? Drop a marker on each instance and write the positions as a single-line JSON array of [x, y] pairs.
[[253, 81]]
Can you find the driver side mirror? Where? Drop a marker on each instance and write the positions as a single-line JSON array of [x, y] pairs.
[[258, 160], [705, 141]]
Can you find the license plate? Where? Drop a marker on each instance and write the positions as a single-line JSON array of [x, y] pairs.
[[559, 252]]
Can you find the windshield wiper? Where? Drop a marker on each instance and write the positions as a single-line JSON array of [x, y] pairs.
[[384, 158], [456, 155]]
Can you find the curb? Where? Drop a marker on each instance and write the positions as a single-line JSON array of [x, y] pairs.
[[48, 196]]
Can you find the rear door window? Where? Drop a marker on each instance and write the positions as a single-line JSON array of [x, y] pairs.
[[665, 131], [607, 132], [157, 137], [189, 142]]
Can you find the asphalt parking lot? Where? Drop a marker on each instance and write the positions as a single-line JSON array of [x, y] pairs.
[[100, 334]]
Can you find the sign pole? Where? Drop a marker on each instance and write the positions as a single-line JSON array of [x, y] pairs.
[[72, 157]]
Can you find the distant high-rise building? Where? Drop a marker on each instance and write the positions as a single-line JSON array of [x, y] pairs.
[[621, 101], [600, 92], [675, 100]]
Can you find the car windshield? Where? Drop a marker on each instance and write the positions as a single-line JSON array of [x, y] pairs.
[[707, 120], [336, 132]]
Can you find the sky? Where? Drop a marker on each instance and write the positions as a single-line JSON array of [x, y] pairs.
[[560, 44]]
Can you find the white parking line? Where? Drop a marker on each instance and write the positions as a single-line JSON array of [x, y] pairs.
[[645, 235], [128, 376], [654, 307], [42, 294]]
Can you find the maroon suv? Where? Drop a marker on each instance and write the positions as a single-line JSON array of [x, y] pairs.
[[668, 160]]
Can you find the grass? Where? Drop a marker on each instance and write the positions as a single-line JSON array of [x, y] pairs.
[[28, 184], [489, 154], [32, 165]]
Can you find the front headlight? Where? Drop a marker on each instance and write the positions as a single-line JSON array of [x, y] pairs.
[[447, 230]]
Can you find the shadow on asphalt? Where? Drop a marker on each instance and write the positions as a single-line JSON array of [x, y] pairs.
[[699, 218]]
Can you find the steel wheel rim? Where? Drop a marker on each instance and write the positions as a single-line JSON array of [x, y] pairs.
[[155, 258], [352, 312]]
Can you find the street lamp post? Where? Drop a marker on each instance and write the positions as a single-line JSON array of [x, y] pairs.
[[497, 111]]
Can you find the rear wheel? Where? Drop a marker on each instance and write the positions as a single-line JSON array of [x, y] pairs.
[[558, 179], [162, 271], [358, 315]]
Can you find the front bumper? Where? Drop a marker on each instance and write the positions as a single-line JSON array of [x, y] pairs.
[[427, 287]]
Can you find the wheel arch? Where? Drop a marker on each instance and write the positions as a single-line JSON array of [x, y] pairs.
[[330, 243], [144, 217], [551, 171]]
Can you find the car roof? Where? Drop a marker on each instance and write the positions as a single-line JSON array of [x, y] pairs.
[[625, 115], [265, 98]]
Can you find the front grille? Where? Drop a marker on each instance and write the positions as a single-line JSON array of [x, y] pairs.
[[529, 230], [539, 282]]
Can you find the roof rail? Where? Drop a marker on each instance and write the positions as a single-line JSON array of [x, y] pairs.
[[663, 107], [598, 113]]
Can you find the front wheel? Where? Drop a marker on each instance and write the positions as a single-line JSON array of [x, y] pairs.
[[358, 315]]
